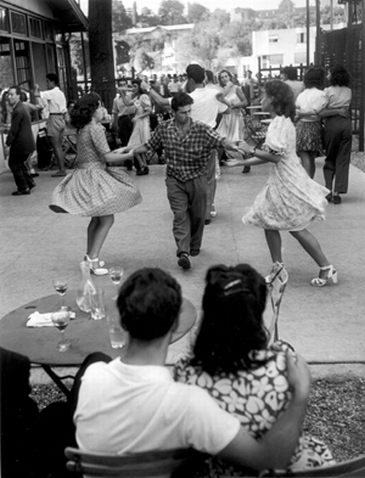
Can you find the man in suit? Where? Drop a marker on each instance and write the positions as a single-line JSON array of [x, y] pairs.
[[21, 141]]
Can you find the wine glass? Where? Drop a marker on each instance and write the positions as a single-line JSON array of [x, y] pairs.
[[61, 286], [116, 274], [61, 319]]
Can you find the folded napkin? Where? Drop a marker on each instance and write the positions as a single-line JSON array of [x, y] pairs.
[[43, 320]]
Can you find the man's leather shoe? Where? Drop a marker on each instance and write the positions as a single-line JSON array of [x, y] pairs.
[[184, 261], [194, 252], [21, 193]]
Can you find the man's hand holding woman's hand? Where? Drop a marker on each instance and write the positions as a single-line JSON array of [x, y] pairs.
[[299, 377]]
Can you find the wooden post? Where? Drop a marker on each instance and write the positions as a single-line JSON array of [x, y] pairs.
[[101, 50]]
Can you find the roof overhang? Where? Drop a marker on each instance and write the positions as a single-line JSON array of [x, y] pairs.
[[68, 16]]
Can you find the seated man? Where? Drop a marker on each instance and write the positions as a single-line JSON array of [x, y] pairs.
[[132, 404]]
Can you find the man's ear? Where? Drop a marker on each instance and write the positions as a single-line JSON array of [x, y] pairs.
[[175, 325]]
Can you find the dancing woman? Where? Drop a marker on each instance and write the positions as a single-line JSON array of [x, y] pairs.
[[141, 129], [93, 188], [308, 105], [232, 126], [290, 200]]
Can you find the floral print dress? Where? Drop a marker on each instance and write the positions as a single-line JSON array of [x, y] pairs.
[[257, 397], [290, 200]]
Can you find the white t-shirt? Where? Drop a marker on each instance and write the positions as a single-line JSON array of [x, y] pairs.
[[129, 409], [55, 100], [206, 106], [311, 102]]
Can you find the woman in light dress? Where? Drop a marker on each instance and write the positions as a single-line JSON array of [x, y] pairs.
[[232, 126], [94, 189], [232, 360], [290, 200], [308, 106], [337, 133], [141, 129]]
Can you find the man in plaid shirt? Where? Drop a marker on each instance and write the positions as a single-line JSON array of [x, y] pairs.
[[187, 145]]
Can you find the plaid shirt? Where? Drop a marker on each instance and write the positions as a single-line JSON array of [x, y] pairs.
[[187, 157]]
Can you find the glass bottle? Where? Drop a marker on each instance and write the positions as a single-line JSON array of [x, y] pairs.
[[86, 288]]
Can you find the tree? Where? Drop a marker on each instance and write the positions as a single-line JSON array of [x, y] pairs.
[[120, 20], [197, 12], [147, 18], [171, 12]]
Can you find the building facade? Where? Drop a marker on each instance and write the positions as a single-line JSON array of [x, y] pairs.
[[34, 42]]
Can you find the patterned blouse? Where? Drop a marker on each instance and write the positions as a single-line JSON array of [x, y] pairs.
[[258, 398]]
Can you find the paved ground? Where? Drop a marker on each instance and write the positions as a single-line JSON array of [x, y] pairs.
[[325, 325]]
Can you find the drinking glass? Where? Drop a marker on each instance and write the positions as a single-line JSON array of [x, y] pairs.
[[60, 320], [116, 333], [60, 286], [97, 302], [116, 274]]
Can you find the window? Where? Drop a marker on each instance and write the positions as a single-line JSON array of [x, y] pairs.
[[276, 59], [18, 24], [4, 20], [35, 28], [301, 38], [273, 39], [48, 31], [300, 57]]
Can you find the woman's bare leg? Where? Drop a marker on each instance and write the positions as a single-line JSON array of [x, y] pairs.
[[273, 240], [99, 233], [311, 245]]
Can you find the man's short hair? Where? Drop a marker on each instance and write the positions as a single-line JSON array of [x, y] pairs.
[[17, 89], [196, 73], [210, 75], [181, 99], [149, 304], [52, 77], [291, 73]]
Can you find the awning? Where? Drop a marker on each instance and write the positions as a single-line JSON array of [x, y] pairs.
[[68, 16]]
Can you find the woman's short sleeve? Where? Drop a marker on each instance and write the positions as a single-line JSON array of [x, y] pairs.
[[145, 102], [98, 138]]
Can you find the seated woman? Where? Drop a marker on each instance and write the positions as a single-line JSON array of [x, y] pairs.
[[232, 361]]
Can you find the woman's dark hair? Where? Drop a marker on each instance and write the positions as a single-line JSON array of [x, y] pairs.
[[228, 73], [314, 77], [339, 76], [137, 81], [232, 327], [282, 98], [84, 109], [149, 304]]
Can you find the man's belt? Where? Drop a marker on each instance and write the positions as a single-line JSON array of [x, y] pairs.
[[56, 114]]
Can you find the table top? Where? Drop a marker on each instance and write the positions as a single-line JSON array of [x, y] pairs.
[[39, 344]]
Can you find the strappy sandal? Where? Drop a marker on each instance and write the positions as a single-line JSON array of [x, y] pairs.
[[98, 271], [277, 267], [331, 276]]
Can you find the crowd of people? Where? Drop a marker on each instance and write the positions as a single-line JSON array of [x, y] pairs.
[[235, 397]]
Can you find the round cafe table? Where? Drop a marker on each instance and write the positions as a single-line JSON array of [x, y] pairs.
[[85, 335]]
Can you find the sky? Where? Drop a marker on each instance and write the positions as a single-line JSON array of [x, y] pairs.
[[211, 4]]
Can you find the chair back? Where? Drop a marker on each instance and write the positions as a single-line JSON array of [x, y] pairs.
[[350, 468], [152, 464], [276, 291]]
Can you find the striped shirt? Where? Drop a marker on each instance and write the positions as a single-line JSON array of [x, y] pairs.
[[187, 157]]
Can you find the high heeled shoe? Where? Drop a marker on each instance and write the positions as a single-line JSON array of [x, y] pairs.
[[331, 276], [98, 271], [87, 258], [277, 267]]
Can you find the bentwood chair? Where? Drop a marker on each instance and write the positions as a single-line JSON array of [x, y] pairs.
[[154, 464], [276, 291], [349, 468]]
